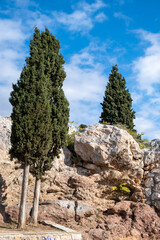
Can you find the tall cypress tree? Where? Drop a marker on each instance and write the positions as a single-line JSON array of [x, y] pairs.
[[55, 73], [117, 103], [40, 113]]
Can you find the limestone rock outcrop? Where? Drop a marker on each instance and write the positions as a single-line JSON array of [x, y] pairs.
[[5, 132], [155, 145], [152, 174], [113, 158], [78, 192], [112, 153], [127, 220]]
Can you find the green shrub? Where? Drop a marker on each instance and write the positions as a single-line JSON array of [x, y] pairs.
[[70, 137], [70, 141], [107, 123], [82, 126]]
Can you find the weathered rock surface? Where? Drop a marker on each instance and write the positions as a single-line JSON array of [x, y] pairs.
[[155, 145], [127, 219], [78, 192], [112, 153], [152, 174], [86, 180], [5, 132], [104, 145]]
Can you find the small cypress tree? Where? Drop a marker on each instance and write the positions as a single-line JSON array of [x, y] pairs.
[[117, 103], [40, 113]]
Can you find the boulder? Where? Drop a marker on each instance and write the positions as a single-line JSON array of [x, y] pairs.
[[105, 145], [112, 153]]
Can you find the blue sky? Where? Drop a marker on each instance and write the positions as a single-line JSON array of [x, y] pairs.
[[94, 35]]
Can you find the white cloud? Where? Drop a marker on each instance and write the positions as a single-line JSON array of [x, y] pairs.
[[38, 19], [96, 46], [84, 113], [150, 109], [82, 59], [10, 30], [126, 19], [82, 18], [146, 68], [84, 86], [143, 124], [9, 71], [147, 117], [76, 21], [149, 127], [85, 79], [91, 8], [155, 134], [12, 40], [136, 97], [146, 71], [13, 48], [5, 106], [100, 17]]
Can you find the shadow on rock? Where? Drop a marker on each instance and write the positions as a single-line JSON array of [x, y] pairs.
[[5, 217]]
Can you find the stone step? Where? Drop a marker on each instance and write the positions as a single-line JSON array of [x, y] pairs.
[[62, 233], [40, 236]]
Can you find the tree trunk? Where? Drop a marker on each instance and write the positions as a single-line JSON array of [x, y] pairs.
[[22, 209], [34, 214]]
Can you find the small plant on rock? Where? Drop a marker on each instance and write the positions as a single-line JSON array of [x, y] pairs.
[[122, 188], [70, 142]]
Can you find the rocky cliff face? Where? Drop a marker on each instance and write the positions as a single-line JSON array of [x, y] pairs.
[[79, 193], [152, 174], [111, 153]]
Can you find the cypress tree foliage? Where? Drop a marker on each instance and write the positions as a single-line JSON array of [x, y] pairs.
[[117, 103], [59, 106], [40, 113]]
